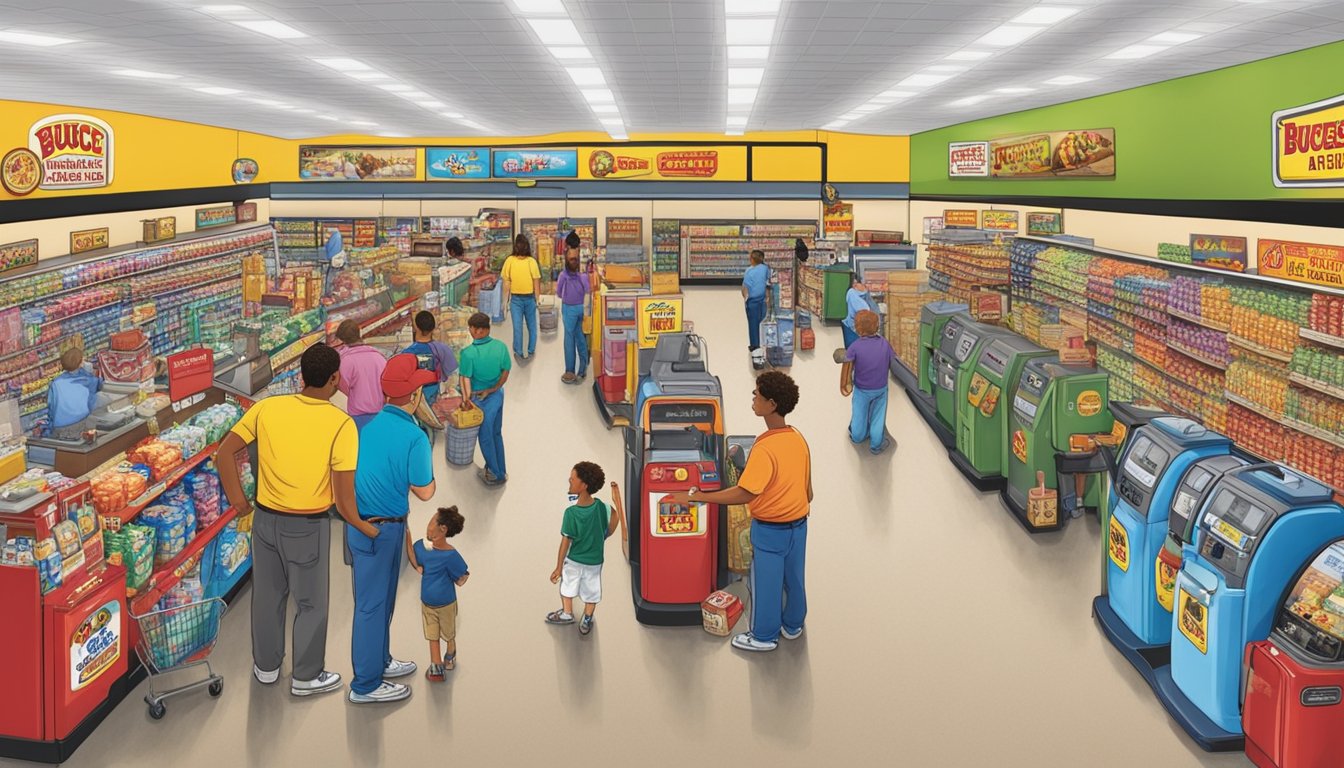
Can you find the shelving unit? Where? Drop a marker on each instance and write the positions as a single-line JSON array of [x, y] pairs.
[[716, 252]]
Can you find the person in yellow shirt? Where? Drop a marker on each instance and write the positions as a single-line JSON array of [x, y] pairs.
[[307, 450], [522, 286], [776, 486]]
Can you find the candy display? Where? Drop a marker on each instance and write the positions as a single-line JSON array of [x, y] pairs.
[[189, 440], [205, 496], [1258, 380], [161, 457], [1257, 434], [1326, 315], [132, 547], [174, 527], [1177, 252], [959, 268], [1319, 364]]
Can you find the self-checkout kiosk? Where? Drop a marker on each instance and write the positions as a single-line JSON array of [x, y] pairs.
[[983, 405], [933, 319]]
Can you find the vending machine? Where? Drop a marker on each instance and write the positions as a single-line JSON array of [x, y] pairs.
[[982, 436], [1294, 708], [1259, 524], [616, 332], [932, 319], [961, 341]]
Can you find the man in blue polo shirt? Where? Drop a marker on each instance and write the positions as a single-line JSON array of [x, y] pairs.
[[395, 461], [754, 285]]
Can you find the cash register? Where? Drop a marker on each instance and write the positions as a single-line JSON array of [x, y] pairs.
[[247, 371]]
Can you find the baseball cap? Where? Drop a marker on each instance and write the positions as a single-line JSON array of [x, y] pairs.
[[403, 375]]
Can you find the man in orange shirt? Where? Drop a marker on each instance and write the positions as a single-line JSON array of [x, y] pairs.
[[776, 486]]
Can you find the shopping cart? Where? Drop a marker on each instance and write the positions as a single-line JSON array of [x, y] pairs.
[[175, 639]]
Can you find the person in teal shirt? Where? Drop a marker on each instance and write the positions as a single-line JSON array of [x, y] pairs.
[[484, 367], [755, 283], [856, 300]]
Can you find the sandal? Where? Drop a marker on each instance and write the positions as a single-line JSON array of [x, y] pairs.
[[559, 617], [450, 663]]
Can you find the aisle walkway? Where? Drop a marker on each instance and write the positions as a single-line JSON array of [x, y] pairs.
[[940, 633]]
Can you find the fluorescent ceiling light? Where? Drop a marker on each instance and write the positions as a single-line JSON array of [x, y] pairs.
[[852, 116], [304, 111], [555, 31], [431, 104], [216, 90], [140, 73], [267, 102], [452, 115], [570, 52], [969, 100], [745, 76], [835, 124], [586, 75], [1069, 80], [751, 31], [1136, 52], [343, 64], [1008, 34], [395, 87], [919, 80], [286, 107], [618, 135], [598, 95], [605, 108], [273, 28], [1014, 90], [393, 134], [1174, 38], [750, 7], [748, 52], [412, 95], [734, 132], [611, 122], [968, 56], [1045, 14], [897, 94], [737, 120], [870, 107], [946, 68], [364, 123], [28, 38], [223, 8], [472, 124], [332, 118], [540, 6], [741, 95], [367, 76]]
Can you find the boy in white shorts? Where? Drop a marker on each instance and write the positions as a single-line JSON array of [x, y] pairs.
[[583, 534]]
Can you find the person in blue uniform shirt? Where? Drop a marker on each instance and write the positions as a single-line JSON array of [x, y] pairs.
[[73, 395], [857, 299], [755, 283]]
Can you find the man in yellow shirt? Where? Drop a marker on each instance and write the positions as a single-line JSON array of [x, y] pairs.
[[522, 286], [776, 486], [307, 450]]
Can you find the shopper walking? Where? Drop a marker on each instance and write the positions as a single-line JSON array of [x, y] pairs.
[[431, 355], [755, 283], [776, 486], [307, 453], [868, 360], [572, 289], [396, 462], [857, 299], [522, 286], [484, 367], [361, 372]]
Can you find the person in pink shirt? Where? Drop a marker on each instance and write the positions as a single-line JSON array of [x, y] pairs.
[[361, 374]]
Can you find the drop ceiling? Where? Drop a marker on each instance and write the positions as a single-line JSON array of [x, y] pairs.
[[665, 61]]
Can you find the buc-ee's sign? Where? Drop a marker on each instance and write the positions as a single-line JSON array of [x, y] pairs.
[[75, 150], [1309, 145]]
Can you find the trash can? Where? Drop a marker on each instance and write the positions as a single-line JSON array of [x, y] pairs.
[[462, 444]]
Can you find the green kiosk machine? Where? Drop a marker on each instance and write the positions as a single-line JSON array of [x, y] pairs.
[[1053, 402], [933, 320], [953, 362], [983, 405]]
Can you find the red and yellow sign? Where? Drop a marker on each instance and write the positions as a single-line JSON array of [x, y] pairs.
[[663, 163], [1020, 446], [88, 240], [1089, 403], [1118, 544], [1309, 145], [838, 222], [1302, 262], [1194, 621], [75, 150], [999, 221], [677, 519], [657, 315], [1165, 584], [961, 217]]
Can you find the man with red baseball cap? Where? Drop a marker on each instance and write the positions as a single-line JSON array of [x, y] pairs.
[[395, 462]]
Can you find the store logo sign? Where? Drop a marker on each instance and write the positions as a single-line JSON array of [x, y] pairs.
[[1309, 145], [968, 159], [95, 646], [75, 150]]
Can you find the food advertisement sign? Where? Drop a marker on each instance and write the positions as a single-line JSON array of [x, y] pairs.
[[457, 163], [968, 159], [20, 171], [216, 216], [535, 163], [245, 170], [657, 315], [999, 221], [357, 163], [663, 163], [75, 151], [18, 255], [1219, 252], [673, 519], [1302, 262], [88, 240], [838, 222], [625, 230], [244, 213], [95, 645], [1045, 223], [1309, 145], [967, 218], [1058, 153]]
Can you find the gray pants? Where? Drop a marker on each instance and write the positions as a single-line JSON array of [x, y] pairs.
[[290, 558]]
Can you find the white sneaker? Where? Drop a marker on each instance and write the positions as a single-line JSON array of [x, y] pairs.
[[747, 642], [327, 681], [383, 694], [265, 678], [787, 635], [397, 669]]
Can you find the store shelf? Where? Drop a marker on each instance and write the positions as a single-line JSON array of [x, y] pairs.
[[1197, 320], [290, 354], [178, 289], [165, 577], [1254, 407], [1273, 354], [134, 508], [1320, 434], [1319, 386], [1197, 356], [82, 312], [1321, 338]]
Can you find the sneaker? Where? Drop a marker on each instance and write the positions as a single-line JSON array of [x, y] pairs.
[[559, 617], [435, 673], [397, 669], [787, 635], [585, 624], [746, 642], [569, 378], [581, 375], [383, 694], [493, 481], [327, 681], [265, 678], [887, 443]]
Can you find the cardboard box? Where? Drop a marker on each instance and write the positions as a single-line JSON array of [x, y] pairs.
[[720, 612]]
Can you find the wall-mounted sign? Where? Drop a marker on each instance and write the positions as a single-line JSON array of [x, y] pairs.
[[245, 170], [1219, 252], [357, 163], [190, 373], [626, 162], [967, 218], [20, 171], [1058, 153], [216, 216], [999, 221], [1045, 223], [625, 231], [457, 163], [365, 233], [657, 315], [75, 150], [967, 159], [1309, 145], [88, 240], [932, 226], [245, 212], [160, 229], [535, 163], [17, 255], [1302, 262], [837, 222]]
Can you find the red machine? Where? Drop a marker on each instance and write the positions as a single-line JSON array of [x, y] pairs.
[[1294, 696]]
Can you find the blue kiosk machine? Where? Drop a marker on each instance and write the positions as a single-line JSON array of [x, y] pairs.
[[1258, 525]]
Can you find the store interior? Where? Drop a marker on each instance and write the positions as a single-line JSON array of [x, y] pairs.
[[1110, 530]]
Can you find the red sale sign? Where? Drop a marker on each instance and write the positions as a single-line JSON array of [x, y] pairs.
[[190, 373]]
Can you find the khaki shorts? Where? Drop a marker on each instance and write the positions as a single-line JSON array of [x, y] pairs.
[[440, 622]]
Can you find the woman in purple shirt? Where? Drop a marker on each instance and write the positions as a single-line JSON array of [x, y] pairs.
[[869, 358], [572, 289]]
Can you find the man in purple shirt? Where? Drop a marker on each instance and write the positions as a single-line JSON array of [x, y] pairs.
[[361, 374], [572, 289], [869, 358]]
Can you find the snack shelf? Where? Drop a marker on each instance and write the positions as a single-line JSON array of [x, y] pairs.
[[403, 308], [1198, 356], [1197, 320], [165, 577], [205, 284], [151, 494], [1319, 386], [1314, 335], [1254, 407], [1273, 354], [1320, 434], [73, 315], [292, 353]]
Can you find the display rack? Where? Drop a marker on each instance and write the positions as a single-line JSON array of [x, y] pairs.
[[966, 263], [717, 252]]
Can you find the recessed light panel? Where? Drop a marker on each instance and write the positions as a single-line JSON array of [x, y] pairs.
[[29, 38], [272, 28], [750, 31]]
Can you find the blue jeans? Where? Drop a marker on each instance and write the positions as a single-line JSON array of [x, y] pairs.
[[492, 432], [377, 565], [755, 316], [524, 307], [576, 343], [851, 335], [778, 596], [869, 418]]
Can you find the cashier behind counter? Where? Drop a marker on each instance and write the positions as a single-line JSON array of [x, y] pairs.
[[72, 396]]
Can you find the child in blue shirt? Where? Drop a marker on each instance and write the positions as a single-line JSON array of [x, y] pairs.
[[443, 570]]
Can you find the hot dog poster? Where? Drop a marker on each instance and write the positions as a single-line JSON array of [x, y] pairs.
[[1050, 154]]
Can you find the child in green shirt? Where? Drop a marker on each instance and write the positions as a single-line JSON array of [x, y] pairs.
[[583, 534]]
